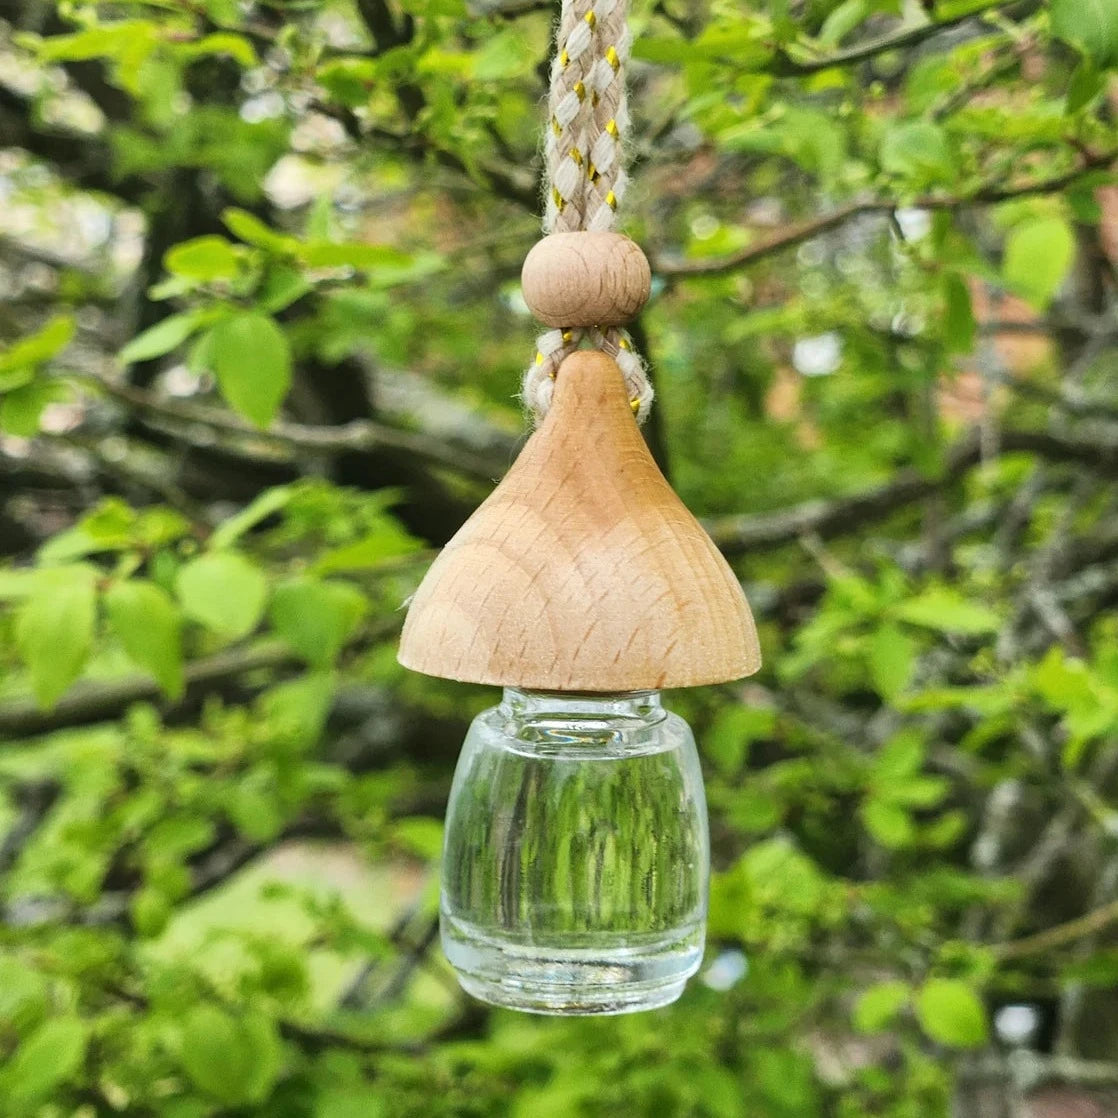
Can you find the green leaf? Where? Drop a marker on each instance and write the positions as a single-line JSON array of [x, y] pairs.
[[1085, 84], [744, 43], [959, 324], [104, 40], [901, 756], [32, 351], [268, 503], [111, 526], [281, 286], [18, 584], [888, 823], [16, 377], [297, 709], [338, 254], [51, 1056], [254, 807], [1038, 257], [947, 611], [892, 656], [223, 591], [149, 627], [421, 835], [253, 231], [151, 911], [167, 334], [54, 629], [735, 727], [917, 149], [848, 15], [879, 1005], [918, 791], [251, 359], [24, 996], [1063, 682], [204, 259], [21, 410], [175, 837], [503, 55], [348, 1102], [236, 47], [317, 618], [1091, 25], [236, 1060], [388, 541], [349, 81], [951, 1013]]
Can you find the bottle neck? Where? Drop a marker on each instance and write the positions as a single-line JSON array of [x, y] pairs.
[[583, 725], [639, 707]]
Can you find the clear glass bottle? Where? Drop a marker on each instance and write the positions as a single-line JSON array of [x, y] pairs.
[[576, 857]]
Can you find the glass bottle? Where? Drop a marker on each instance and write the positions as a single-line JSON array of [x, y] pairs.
[[576, 856]]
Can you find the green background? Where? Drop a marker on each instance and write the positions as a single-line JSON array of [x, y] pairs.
[[262, 337]]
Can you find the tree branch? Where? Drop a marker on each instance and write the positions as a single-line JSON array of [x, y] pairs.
[[784, 66], [798, 233], [301, 438], [97, 702], [735, 535], [85, 161], [1082, 927], [1032, 1069]]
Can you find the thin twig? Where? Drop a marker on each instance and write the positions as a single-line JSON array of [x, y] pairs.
[[357, 435], [1089, 924], [796, 234], [787, 67], [96, 702], [737, 534]]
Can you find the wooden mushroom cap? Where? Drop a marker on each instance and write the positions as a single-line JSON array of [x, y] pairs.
[[582, 571]]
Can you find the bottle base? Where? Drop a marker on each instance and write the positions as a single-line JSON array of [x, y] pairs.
[[638, 973]]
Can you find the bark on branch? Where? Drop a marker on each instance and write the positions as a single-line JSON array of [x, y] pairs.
[[301, 438], [796, 234], [736, 535]]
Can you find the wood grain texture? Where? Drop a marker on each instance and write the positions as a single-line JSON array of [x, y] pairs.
[[585, 279], [583, 571]]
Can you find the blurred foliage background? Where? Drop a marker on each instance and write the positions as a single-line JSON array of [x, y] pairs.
[[262, 333]]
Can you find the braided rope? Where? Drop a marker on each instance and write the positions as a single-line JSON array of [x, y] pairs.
[[587, 125], [605, 176], [571, 112]]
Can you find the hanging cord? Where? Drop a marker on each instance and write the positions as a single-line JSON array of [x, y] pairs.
[[586, 179]]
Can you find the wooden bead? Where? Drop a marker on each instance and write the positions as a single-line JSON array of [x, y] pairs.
[[586, 279], [583, 571]]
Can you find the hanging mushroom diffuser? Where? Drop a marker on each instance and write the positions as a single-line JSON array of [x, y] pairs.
[[576, 854]]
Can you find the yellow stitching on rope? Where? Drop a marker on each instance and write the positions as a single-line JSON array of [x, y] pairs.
[[611, 200], [556, 127], [624, 343], [539, 357], [576, 155], [565, 59], [612, 59], [611, 128], [567, 335], [580, 91], [591, 19], [635, 404], [591, 172], [558, 199]]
